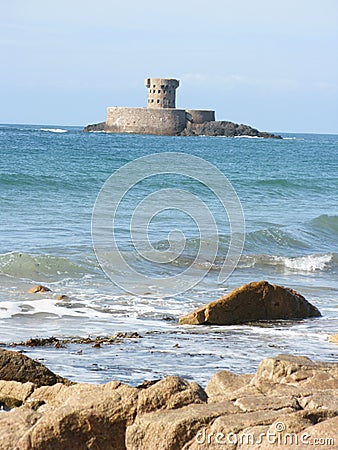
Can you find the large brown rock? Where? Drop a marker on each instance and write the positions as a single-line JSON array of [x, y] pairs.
[[90, 417], [15, 366], [253, 302]]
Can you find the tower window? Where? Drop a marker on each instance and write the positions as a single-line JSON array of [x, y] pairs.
[[158, 100]]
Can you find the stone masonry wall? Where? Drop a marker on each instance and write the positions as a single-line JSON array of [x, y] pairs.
[[200, 115], [158, 121]]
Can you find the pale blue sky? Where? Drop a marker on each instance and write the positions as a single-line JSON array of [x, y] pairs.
[[272, 64]]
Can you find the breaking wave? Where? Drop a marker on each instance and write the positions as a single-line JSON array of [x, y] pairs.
[[307, 263], [54, 130]]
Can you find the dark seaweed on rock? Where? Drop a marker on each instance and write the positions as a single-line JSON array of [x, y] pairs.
[[61, 342]]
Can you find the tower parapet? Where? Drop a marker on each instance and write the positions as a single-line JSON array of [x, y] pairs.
[[161, 92]]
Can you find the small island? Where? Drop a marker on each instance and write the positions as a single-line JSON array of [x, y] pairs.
[[161, 117]]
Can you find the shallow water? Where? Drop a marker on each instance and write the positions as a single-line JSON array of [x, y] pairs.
[[50, 178]]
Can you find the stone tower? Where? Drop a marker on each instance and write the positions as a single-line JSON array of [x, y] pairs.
[[161, 92]]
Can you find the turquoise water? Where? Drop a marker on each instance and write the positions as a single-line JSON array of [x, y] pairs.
[[50, 178]]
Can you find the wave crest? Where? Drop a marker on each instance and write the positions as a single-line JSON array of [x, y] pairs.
[[54, 130], [38, 267], [307, 263]]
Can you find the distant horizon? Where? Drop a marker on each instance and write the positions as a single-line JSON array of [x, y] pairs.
[[82, 126]]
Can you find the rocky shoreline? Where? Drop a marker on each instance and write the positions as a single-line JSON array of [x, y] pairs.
[[290, 402], [214, 128]]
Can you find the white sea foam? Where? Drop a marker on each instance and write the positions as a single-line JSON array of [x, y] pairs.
[[245, 136], [54, 130], [47, 306], [309, 263]]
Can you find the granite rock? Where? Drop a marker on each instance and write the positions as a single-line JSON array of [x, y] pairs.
[[252, 302]]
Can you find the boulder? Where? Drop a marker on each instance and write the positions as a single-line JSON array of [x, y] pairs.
[[298, 371], [170, 393], [253, 302], [87, 417], [15, 366]]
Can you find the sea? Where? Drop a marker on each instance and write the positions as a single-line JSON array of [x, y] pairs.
[[135, 231]]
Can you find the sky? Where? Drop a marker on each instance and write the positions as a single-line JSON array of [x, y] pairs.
[[272, 64]]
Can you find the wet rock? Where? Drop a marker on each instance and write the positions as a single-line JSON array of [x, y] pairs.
[[95, 127], [253, 302], [333, 338], [15, 366], [61, 342], [225, 128], [37, 342], [62, 297], [38, 288]]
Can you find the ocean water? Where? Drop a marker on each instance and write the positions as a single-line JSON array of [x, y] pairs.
[[50, 179]]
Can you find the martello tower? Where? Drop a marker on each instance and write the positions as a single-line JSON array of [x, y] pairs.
[[161, 92], [160, 116]]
